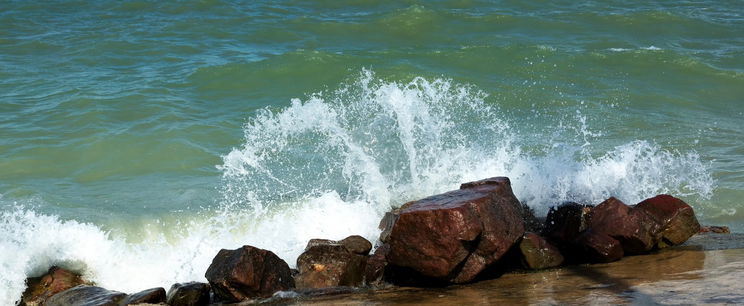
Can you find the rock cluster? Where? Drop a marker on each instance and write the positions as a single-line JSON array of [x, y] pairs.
[[454, 237]]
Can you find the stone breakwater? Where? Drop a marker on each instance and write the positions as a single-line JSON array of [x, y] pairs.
[[476, 232]]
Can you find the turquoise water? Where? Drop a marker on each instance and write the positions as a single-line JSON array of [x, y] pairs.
[[146, 136]]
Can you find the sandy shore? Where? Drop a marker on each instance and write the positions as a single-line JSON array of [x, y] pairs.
[[708, 269]]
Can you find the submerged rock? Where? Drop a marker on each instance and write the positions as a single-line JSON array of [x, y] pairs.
[[39, 289], [715, 229], [676, 219], [327, 263], [86, 295], [149, 296], [188, 294], [248, 272], [456, 235], [537, 253]]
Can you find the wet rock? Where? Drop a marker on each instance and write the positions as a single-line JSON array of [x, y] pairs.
[[531, 222], [248, 272], [715, 229], [537, 253], [149, 296], [375, 270], [39, 289], [86, 295], [636, 231], [386, 224], [676, 219], [456, 235], [598, 247], [188, 294], [566, 222], [332, 264], [357, 244]]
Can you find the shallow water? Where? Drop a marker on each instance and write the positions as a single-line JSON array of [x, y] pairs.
[[146, 136], [705, 271]]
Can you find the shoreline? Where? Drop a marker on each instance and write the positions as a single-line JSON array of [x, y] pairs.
[[700, 271]]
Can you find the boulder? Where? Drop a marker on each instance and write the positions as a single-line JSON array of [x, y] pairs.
[[598, 247], [537, 253], [188, 294], [566, 222], [149, 296], [386, 224], [39, 289], [454, 236], [86, 295], [374, 272], [676, 219], [356, 244], [636, 231], [248, 272], [333, 264]]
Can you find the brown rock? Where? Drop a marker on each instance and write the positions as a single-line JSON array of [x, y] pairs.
[[637, 232], [357, 244], [537, 253], [149, 296], [330, 265], [375, 270], [455, 235], [566, 222], [188, 294], [386, 224], [715, 229], [248, 272], [86, 295], [599, 247], [676, 219], [56, 280]]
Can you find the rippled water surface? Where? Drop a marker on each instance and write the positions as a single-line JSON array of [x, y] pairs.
[[146, 136]]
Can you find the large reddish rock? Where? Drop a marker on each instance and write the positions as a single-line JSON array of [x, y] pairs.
[[456, 235], [598, 247], [537, 253], [636, 231], [248, 272], [56, 280], [676, 218], [328, 263]]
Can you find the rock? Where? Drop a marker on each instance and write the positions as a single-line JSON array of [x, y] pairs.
[[537, 253], [531, 223], [715, 229], [248, 272], [566, 222], [39, 289], [636, 231], [188, 294], [149, 296], [332, 264], [599, 247], [456, 235], [676, 219], [386, 224], [357, 244], [375, 270], [86, 295]]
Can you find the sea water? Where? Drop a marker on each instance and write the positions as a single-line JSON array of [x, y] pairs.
[[138, 138]]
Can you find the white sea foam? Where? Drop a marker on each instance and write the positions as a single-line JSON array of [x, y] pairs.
[[330, 166]]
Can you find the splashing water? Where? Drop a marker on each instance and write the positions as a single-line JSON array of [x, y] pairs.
[[330, 166]]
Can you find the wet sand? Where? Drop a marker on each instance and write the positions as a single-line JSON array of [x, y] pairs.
[[708, 269]]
